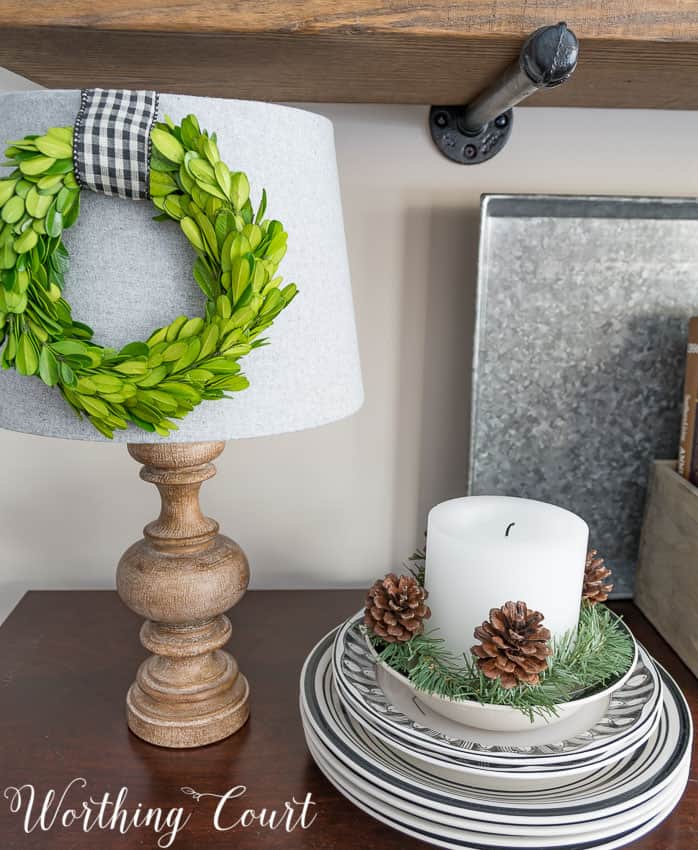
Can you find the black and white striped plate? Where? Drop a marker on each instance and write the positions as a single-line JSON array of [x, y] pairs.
[[613, 833], [631, 783]]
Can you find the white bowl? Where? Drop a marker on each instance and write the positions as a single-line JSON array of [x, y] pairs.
[[504, 718]]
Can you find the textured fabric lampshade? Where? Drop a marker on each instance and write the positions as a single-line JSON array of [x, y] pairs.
[[129, 275]]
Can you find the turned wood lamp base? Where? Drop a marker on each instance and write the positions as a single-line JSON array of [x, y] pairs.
[[182, 576]]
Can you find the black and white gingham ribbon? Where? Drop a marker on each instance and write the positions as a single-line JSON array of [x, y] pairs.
[[111, 141]]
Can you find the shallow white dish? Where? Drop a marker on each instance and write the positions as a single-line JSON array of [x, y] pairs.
[[401, 715], [504, 718]]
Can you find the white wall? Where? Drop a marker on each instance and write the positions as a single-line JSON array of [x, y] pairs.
[[339, 505]]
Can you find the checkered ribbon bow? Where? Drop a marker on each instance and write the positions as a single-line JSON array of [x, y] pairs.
[[111, 142]]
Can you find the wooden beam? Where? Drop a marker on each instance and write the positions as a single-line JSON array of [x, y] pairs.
[[634, 53]]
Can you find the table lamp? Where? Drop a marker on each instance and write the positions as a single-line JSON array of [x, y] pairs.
[[191, 210]]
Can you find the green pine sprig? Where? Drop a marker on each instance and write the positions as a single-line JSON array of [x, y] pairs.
[[601, 653], [154, 382]]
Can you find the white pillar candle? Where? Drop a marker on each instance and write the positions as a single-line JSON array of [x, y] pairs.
[[483, 551]]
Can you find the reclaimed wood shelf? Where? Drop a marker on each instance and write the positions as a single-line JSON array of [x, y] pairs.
[[634, 53], [67, 658]]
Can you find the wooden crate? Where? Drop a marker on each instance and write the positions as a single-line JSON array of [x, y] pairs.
[[667, 576]]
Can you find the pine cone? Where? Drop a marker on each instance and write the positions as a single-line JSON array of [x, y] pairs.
[[595, 573], [395, 608], [514, 646]]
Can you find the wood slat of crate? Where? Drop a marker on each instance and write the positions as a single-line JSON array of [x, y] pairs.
[[667, 577]]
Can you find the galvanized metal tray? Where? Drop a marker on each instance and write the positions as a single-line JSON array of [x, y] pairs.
[[582, 313]]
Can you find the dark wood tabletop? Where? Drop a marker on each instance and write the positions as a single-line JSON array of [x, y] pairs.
[[66, 661]]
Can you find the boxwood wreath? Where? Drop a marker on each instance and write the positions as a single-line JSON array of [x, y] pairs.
[[601, 653], [146, 383]]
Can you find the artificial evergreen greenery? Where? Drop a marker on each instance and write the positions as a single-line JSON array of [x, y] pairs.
[[153, 382], [602, 652]]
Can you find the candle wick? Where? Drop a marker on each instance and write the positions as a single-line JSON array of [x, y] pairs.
[[509, 528]]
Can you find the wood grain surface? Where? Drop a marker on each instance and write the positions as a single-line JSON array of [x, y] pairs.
[[666, 589], [66, 659], [182, 577], [634, 53], [643, 20]]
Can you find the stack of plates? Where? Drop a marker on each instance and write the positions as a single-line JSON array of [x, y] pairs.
[[599, 779]]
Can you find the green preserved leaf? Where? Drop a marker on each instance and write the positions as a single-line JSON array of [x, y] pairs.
[[262, 208], [26, 241], [7, 189], [22, 188], [16, 302], [239, 189], [201, 171], [240, 276], [209, 341], [94, 406], [48, 367], [174, 351], [51, 184], [210, 189], [161, 183], [107, 383], [174, 207], [154, 377], [37, 205], [60, 166], [85, 386], [175, 327], [63, 134], [70, 347], [209, 234], [135, 349], [203, 276], [27, 360], [65, 199], [132, 367], [13, 210], [157, 336], [167, 145], [223, 307], [223, 177], [36, 165], [53, 221], [190, 356], [192, 232], [53, 147], [191, 328], [8, 258], [71, 214]]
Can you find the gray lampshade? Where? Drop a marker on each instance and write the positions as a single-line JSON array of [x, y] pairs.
[[130, 275]]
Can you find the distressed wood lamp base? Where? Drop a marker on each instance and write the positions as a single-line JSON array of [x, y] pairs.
[[182, 576]]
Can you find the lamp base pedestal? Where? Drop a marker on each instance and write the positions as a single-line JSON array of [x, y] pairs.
[[181, 577]]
